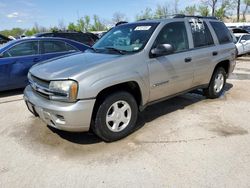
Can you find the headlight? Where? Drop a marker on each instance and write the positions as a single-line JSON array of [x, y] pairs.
[[65, 90]]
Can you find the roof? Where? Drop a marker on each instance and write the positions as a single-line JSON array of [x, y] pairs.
[[177, 16]]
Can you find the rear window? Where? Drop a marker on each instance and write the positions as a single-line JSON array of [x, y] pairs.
[[56, 46], [76, 37], [222, 32]]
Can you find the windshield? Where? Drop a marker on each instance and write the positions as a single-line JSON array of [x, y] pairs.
[[126, 38]]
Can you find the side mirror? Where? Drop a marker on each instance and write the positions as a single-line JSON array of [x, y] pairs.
[[161, 50], [1, 55], [242, 41]]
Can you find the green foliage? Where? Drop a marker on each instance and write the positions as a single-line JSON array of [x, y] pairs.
[[13, 32], [190, 10], [98, 26], [80, 25], [87, 23], [161, 12], [146, 14], [221, 11], [72, 27], [203, 10]]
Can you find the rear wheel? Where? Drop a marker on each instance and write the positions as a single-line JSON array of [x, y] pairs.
[[217, 84], [116, 116]]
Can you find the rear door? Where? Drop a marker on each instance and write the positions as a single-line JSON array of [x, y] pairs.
[[203, 50], [51, 49], [172, 73], [4, 73], [247, 43], [18, 60]]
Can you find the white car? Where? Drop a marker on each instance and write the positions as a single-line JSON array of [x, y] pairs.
[[243, 43]]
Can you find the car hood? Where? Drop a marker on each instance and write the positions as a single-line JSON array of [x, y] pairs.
[[70, 66]]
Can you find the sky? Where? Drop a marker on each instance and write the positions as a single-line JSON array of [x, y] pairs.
[[48, 13]]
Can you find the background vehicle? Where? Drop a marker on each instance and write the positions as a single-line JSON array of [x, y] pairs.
[[16, 57], [243, 43], [238, 30], [132, 66], [4, 39], [85, 38], [240, 25]]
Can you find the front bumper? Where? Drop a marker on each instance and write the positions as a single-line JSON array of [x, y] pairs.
[[74, 117]]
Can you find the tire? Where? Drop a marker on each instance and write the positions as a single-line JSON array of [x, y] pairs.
[[115, 117], [217, 84]]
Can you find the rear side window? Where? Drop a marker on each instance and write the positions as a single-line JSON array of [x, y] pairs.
[[201, 34], [84, 38], [222, 32], [55, 46]]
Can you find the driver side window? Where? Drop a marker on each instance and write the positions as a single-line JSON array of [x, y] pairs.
[[174, 34]]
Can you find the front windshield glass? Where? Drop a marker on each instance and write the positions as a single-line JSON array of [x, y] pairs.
[[127, 37]]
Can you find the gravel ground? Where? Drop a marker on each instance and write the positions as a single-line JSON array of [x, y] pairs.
[[187, 141]]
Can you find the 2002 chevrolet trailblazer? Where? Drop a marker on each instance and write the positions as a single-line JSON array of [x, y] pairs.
[[132, 66]]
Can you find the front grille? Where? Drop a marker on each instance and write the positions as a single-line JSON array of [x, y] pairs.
[[39, 81], [40, 86]]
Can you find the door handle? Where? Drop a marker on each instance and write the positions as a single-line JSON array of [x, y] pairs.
[[35, 60], [215, 53], [188, 60]]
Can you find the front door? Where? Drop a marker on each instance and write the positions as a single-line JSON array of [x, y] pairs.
[[18, 60], [173, 73]]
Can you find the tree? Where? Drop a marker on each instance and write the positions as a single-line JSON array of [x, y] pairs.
[[146, 14], [161, 11], [238, 10], [222, 12], [203, 10], [72, 27], [54, 29], [176, 6], [80, 25], [98, 26], [190, 10], [13, 32], [87, 22], [118, 17], [212, 4], [247, 4], [61, 25]]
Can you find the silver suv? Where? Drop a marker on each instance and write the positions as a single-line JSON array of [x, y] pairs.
[[132, 66]]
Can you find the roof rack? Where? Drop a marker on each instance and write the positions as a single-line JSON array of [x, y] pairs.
[[192, 16]]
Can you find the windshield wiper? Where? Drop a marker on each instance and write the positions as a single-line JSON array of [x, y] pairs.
[[92, 48], [116, 50]]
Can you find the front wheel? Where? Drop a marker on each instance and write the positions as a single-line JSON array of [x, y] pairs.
[[116, 116], [217, 84]]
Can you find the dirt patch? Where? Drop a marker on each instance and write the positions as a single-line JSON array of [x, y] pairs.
[[229, 131]]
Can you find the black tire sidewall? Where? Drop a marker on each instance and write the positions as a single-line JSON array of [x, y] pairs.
[[100, 127], [211, 93]]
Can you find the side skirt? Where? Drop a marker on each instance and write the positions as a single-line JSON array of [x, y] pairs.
[[141, 108]]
